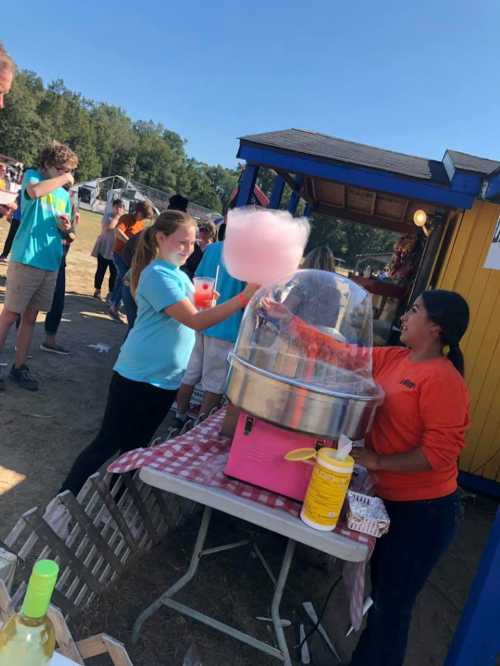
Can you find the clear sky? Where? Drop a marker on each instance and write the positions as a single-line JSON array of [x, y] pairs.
[[417, 77]]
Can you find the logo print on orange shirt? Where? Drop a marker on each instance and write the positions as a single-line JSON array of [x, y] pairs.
[[408, 383]]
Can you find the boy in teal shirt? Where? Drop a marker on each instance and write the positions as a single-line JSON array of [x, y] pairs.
[[208, 361], [36, 252]]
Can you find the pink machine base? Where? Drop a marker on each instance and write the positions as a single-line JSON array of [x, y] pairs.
[[257, 456]]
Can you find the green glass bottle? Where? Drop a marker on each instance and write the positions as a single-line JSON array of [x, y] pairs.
[[28, 638]]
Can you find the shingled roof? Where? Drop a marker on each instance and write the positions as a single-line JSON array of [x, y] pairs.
[[338, 150], [472, 163]]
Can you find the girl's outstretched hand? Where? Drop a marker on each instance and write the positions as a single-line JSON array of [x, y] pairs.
[[215, 298], [250, 290]]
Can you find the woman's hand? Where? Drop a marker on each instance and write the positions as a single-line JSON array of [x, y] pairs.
[[366, 458], [275, 310]]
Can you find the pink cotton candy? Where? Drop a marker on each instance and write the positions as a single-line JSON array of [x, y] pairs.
[[264, 246]]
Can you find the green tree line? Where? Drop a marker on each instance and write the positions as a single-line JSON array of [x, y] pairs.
[[348, 239], [108, 142]]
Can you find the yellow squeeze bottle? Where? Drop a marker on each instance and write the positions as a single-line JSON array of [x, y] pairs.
[[327, 489]]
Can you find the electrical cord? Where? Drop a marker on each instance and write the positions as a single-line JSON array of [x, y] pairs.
[[320, 617]]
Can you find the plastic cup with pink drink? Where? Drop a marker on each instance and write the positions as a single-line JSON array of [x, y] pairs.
[[204, 292]]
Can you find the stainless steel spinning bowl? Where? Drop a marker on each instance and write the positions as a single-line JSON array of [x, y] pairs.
[[293, 404]]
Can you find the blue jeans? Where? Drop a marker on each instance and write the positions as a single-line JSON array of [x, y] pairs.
[[129, 306], [420, 533], [53, 318], [121, 269]]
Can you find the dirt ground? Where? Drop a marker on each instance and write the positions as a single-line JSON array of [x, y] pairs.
[[40, 434]]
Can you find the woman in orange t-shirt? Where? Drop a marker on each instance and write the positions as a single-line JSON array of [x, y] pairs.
[[412, 450]]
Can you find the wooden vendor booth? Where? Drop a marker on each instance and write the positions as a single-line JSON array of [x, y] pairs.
[[448, 211], [447, 215]]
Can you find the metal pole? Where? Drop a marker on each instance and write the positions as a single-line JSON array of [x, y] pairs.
[[184, 580], [275, 606]]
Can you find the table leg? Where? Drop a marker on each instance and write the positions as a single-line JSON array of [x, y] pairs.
[[166, 598], [275, 606], [184, 580]]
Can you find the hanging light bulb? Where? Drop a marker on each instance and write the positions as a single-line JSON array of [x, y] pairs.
[[420, 220], [420, 217]]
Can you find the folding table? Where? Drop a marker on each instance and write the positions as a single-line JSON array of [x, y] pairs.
[[270, 518]]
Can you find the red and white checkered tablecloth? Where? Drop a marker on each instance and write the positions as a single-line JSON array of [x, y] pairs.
[[200, 455]]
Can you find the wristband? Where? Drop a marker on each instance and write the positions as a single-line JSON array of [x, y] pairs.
[[242, 299]]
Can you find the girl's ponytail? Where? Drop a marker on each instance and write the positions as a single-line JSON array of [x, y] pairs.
[[147, 249], [144, 254]]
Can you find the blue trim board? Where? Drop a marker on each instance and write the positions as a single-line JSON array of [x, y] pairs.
[[294, 202], [478, 484], [373, 179], [277, 192], [477, 639], [247, 184], [464, 181], [295, 195]]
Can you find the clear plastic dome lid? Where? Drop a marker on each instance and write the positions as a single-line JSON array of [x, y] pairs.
[[315, 329]]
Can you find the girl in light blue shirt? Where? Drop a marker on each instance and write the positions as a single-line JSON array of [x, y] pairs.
[[155, 354]]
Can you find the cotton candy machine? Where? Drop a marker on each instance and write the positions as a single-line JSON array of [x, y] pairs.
[[301, 372]]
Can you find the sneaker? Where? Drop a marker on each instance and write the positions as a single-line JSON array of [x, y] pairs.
[[23, 377], [54, 349], [187, 426], [178, 422], [114, 313]]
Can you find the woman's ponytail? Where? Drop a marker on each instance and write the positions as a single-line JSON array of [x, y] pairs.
[[144, 254], [457, 358]]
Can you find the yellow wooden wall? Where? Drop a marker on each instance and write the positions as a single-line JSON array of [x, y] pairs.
[[463, 272]]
